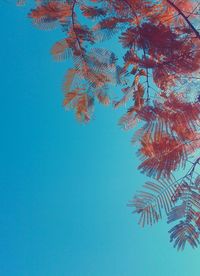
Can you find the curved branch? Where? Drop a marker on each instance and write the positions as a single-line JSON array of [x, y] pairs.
[[185, 18], [194, 166]]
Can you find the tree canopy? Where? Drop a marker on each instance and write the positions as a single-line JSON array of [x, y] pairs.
[[157, 71]]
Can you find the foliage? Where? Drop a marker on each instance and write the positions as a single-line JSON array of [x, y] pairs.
[[158, 78]]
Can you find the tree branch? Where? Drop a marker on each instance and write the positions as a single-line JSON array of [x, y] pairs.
[[185, 18]]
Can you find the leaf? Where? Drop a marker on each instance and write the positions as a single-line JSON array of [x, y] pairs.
[[93, 11], [69, 79], [161, 155], [188, 214], [150, 202], [53, 10], [177, 212], [69, 97], [82, 108], [170, 114], [182, 233], [61, 50], [103, 97]]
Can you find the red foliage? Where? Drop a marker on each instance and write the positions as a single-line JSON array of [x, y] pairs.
[[160, 46], [162, 154], [53, 10]]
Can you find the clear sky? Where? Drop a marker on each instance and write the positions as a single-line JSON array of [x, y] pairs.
[[64, 186]]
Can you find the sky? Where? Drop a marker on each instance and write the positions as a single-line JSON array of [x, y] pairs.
[[64, 187]]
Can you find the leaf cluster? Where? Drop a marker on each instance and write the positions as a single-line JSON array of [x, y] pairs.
[[160, 60]]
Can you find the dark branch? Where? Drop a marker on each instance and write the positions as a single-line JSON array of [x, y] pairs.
[[185, 18]]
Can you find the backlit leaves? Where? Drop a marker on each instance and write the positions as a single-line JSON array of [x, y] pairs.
[[187, 197], [154, 59], [161, 155], [153, 201], [50, 13]]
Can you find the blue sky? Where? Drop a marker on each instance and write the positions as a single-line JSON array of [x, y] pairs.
[[64, 186]]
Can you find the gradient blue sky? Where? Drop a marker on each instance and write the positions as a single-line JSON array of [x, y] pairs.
[[64, 186]]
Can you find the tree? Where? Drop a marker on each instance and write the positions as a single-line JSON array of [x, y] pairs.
[[158, 74]]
